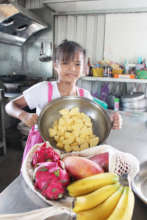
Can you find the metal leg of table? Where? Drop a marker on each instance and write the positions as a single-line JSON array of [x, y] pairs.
[[3, 129]]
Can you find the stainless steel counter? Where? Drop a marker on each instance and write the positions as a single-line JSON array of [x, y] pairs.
[[132, 138], [17, 197]]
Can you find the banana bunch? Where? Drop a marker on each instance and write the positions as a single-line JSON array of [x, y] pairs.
[[102, 197]]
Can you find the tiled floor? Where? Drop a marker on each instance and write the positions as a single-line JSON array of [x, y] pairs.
[[10, 164]]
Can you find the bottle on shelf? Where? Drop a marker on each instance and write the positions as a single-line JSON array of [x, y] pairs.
[[89, 67], [140, 60], [105, 73], [126, 67], [140, 64], [109, 71], [116, 104]]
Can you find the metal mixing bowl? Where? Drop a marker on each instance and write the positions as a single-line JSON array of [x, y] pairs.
[[100, 119]]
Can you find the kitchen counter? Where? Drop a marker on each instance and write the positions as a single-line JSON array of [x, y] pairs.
[[17, 197], [132, 138]]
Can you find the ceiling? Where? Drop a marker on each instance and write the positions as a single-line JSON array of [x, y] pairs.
[[31, 15], [91, 6]]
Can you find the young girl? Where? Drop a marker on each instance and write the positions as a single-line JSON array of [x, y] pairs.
[[70, 64]]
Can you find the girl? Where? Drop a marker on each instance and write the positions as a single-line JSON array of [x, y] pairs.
[[70, 64]]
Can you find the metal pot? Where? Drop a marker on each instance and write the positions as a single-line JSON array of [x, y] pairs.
[[133, 102], [12, 86], [141, 103], [134, 110], [132, 97]]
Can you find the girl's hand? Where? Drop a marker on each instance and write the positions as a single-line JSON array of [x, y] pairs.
[[28, 119], [116, 120]]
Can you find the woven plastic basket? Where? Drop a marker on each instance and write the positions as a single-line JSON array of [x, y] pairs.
[[119, 162]]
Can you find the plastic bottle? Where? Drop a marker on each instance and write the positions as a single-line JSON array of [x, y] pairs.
[[116, 104], [140, 60], [126, 67], [90, 67], [105, 72]]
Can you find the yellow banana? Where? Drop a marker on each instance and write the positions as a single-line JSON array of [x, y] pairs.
[[91, 183], [103, 210], [130, 206], [119, 211], [93, 199]]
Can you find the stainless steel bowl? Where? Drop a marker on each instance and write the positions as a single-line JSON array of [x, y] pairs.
[[50, 113], [139, 182]]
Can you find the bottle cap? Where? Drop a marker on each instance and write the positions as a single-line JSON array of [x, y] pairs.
[[116, 99]]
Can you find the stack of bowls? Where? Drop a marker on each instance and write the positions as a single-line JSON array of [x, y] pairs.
[[135, 102]]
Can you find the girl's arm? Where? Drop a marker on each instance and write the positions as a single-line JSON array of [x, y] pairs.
[[15, 109]]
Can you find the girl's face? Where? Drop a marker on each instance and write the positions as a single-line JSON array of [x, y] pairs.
[[70, 71]]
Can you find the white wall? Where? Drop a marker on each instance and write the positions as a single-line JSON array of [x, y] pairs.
[[125, 37], [117, 36], [113, 36], [88, 30]]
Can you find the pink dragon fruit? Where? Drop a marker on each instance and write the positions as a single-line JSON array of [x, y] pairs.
[[54, 190], [45, 153], [51, 180]]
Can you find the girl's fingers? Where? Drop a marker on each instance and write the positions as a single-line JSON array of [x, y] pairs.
[[34, 118], [117, 121], [31, 120], [120, 121]]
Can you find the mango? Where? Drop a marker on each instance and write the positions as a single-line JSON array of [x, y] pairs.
[[80, 167], [102, 160]]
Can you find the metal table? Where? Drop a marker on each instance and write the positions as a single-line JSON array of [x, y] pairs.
[[17, 197], [2, 121]]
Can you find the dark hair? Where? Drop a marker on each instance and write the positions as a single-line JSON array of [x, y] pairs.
[[66, 51]]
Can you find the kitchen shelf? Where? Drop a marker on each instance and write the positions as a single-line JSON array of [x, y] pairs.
[[109, 79]]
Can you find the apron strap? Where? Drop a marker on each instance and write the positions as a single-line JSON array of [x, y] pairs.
[[81, 92], [34, 135], [50, 91]]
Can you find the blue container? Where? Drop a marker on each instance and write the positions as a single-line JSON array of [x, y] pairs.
[[100, 102]]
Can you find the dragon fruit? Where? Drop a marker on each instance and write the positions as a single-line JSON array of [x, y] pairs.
[[51, 179], [45, 153], [54, 190]]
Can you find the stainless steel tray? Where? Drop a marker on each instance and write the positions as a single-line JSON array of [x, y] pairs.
[[139, 182]]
